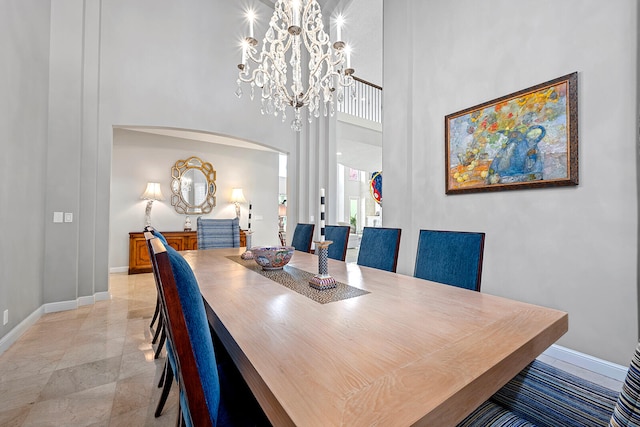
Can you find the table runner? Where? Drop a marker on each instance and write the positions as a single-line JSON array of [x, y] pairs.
[[298, 280]]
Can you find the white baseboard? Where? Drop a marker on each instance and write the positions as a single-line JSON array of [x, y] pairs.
[[14, 334], [21, 328], [119, 270], [585, 361], [54, 307], [98, 296], [102, 296], [85, 301]]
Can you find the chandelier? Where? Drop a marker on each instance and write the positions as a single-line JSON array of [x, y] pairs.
[[279, 67]]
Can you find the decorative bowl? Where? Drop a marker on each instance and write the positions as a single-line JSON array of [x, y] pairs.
[[272, 257]]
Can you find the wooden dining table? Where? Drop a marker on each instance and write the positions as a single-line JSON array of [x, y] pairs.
[[389, 350]]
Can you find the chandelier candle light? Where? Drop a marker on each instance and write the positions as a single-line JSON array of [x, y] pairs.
[[322, 280], [294, 24]]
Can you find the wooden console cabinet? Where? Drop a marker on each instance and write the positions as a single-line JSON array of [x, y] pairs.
[[139, 261]]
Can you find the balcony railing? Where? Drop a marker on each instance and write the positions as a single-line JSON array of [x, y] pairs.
[[363, 100]]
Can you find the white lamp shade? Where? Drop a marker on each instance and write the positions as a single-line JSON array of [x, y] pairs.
[[282, 209], [152, 192], [237, 196]]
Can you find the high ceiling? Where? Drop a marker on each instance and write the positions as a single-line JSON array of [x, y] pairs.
[[359, 148]]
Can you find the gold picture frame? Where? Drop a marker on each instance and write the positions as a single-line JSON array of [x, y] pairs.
[[527, 139]]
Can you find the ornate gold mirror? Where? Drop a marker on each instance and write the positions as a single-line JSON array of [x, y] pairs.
[[193, 185]]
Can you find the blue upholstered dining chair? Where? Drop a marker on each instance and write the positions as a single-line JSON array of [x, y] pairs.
[[302, 237], [218, 233], [379, 248], [339, 235], [209, 395], [542, 395], [156, 312], [159, 335], [450, 257], [170, 366]]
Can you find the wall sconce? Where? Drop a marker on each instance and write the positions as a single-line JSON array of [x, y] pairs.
[[151, 193], [237, 197]]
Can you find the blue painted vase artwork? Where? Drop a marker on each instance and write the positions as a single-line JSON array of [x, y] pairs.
[[529, 138]]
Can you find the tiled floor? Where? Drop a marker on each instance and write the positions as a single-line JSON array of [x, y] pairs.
[[94, 366]]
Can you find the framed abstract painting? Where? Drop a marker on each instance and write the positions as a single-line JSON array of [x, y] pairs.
[[528, 139]]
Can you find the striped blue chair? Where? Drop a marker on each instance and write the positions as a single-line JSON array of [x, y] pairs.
[[302, 237], [627, 410], [450, 257], [339, 235], [544, 396], [379, 248], [218, 233], [209, 394]]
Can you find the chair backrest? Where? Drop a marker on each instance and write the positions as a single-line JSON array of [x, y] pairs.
[[379, 248], [150, 234], [188, 329], [218, 233], [450, 257], [302, 237], [339, 235], [627, 409], [157, 234]]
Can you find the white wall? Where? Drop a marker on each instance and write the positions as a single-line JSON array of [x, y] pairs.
[[362, 32], [75, 70], [173, 64], [162, 63], [121, 63], [576, 248], [24, 84], [256, 172]]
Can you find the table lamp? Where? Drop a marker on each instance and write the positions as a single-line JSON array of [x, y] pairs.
[[151, 193], [236, 198]]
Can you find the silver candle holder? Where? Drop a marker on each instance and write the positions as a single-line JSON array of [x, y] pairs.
[[247, 253], [323, 280]]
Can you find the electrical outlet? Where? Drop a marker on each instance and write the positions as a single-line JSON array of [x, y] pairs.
[[5, 318], [68, 217]]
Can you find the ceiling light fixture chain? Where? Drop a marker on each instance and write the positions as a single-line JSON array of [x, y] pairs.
[[295, 23]]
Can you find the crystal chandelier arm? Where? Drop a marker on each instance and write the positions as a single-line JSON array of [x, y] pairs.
[[267, 58], [279, 70], [316, 40], [252, 77], [270, 43]]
